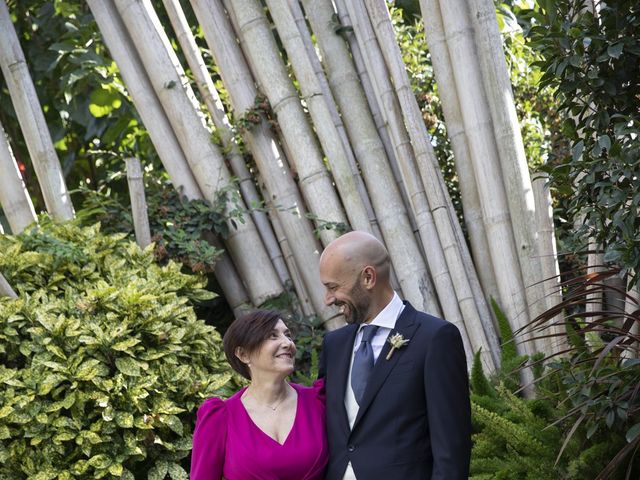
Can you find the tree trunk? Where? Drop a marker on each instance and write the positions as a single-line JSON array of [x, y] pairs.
[[34, 127], [138, 202], [318, 100], [432, 200], [5, 288], [497, 85], [393, 219], [223, 126], [261, 142], [14, 197], [443, 71], [148, 106], [549, 259], [205, 160], [477, 122]]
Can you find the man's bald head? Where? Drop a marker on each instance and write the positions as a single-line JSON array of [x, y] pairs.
[[354, 270], [355, 250]]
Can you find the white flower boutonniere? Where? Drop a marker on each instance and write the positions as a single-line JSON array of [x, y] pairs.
[[396, 341]]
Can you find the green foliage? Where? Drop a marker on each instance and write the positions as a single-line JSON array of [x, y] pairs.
[[103, 361], [85, 103], [179, 227], [593, 60]]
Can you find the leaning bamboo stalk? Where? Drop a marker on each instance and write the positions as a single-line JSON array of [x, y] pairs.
[[148, 106], [14, 197], [270, 72], [393, 219], [443, 72], [224, 129], [270, 161], [373, 104], [205, 160], [480, 328], [296, 281], [482, 280], [5, 288], [319, 15], [138, 202], [513, 161], [317, 101], [632, 308], [372, 54], [549, 258], [335, 114], [485, 159], [32, 122]]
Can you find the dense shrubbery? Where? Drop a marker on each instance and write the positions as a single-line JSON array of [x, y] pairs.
[[103, 361]]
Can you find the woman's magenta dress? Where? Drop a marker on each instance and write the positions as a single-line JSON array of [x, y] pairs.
[[226, 442]]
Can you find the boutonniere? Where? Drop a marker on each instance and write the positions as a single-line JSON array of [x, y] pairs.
[[396, 341]]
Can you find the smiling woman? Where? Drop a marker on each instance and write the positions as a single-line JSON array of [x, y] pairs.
[[271, 429]]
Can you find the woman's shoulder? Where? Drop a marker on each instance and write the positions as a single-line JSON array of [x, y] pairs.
[[212, 407], [315, 391]]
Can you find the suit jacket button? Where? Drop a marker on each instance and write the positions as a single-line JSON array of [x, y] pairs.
[[351, 448]]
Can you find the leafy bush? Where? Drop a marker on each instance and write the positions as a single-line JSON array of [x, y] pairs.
[[103, 361]]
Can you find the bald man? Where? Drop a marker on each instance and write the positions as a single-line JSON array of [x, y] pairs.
[[396, 409]]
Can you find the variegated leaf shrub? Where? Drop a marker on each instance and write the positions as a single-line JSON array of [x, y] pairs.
[[102, 359]]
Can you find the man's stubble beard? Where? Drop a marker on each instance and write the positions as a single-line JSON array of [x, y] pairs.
[[358, 306]]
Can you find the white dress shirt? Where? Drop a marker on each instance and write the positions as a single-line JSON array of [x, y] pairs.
[[386, 321]]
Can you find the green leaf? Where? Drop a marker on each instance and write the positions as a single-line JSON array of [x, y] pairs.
[[128, 366], [176, 472], [125, 344], [124, 419], [159, 471], [173, 423], [576, 151], [615, 50], [633, 433]]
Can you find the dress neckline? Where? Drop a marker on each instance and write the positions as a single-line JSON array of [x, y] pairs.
[[255, 425]]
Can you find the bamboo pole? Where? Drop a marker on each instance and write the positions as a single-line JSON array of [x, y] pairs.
[[14, 197], [224, 129], [477, 122], [549, 258], [321, 18], [378, 72], [305, 33], [138, 202], [373, 104], [205, 160], [34, 127], [317, 100], [393, 218], [270, 161], [296, 282], [513, 161], [443, 71], [148, 106], [5, 288], [434, 196], [270, 72]]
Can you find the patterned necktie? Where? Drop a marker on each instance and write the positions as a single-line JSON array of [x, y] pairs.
[[363, 362]]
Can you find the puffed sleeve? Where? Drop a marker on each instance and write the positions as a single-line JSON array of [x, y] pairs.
[[319, 390], [209, 441]]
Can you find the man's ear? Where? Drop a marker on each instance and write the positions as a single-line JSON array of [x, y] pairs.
[[242, 355], [369, 277]]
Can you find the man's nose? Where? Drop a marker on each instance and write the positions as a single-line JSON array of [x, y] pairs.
[[329, 298]]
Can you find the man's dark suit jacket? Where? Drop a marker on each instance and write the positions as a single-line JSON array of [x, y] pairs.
[[415, 420]]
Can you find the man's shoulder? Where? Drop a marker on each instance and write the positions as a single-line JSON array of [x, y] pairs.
[[339, 334], [429, 324]]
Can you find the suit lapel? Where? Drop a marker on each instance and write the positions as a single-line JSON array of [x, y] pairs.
[[340, 367], [405, 326]]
